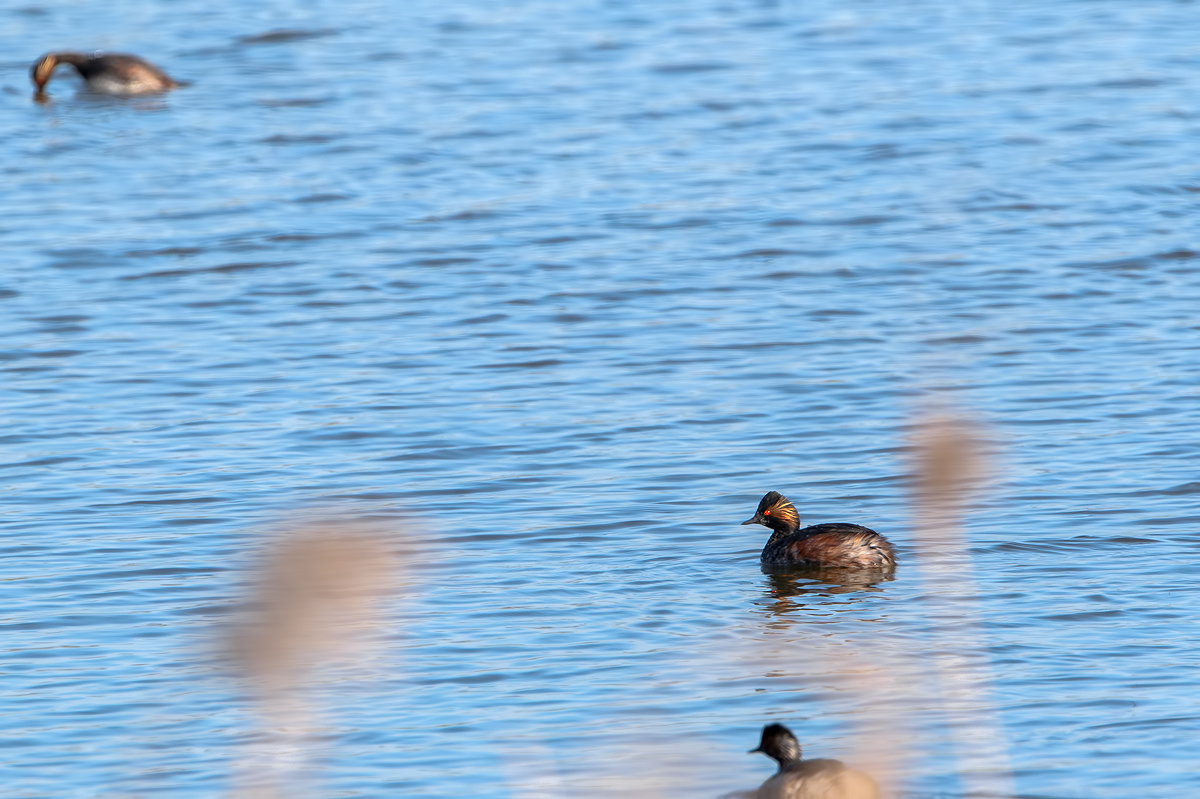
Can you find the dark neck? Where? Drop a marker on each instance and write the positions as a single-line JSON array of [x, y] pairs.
[[786, 758], [781, 529], [74, 59]]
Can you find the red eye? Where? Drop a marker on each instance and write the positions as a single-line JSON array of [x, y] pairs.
[[766, 513]]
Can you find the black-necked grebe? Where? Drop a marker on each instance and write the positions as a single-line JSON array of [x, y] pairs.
[[827, 546], [106, 73], [808, 779]]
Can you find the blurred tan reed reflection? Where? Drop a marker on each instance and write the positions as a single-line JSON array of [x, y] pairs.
[[317, 599], [950, 463], [637, 767]]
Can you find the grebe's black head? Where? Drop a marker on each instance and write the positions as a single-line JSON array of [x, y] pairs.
[[776, 512], [779, 743]]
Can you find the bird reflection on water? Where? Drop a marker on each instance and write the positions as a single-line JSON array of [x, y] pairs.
[[789, 590]]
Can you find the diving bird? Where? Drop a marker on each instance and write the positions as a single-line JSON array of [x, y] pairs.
[[105, 73]]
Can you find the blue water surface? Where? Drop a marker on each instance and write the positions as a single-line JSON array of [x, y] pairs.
[[559, 290]]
